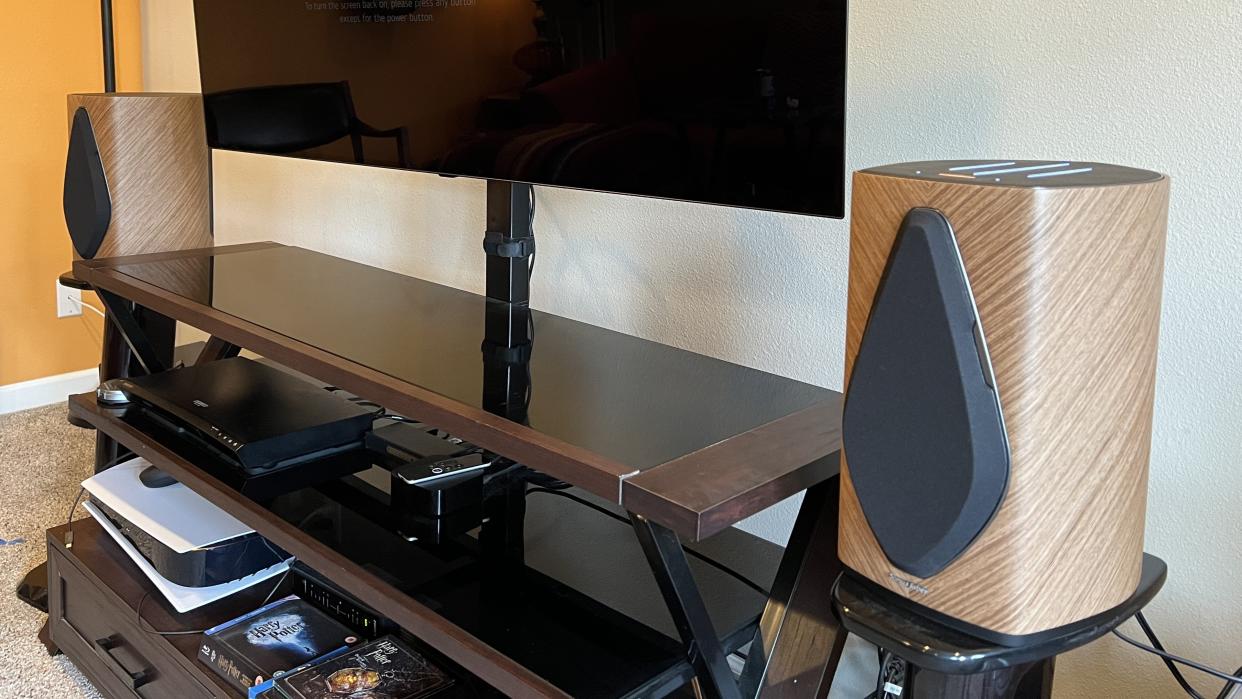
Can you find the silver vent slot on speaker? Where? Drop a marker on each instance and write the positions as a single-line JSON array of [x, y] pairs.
[[1021, 168], [1076, 171], [982, 166]]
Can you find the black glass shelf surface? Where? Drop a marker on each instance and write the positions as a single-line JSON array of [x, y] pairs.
[[574, 601], [637, 402]]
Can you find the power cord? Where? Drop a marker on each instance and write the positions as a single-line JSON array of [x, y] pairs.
[[1157, 648], [605, 511], [69, 521], [81, 491], [82, 304], [893, 677], [530, 226]]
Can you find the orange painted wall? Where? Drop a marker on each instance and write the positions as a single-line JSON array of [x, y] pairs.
[[47, 50]]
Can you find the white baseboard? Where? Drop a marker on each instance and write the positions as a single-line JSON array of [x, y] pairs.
[[50, 389]]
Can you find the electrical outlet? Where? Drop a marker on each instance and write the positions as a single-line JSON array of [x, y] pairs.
[[68, 301]]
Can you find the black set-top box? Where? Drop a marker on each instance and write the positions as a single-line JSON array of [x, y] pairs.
[[260, 417]]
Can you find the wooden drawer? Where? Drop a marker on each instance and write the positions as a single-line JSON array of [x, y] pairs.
[[103, 640]]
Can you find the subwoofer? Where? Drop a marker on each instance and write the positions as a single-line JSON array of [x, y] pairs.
[[1000, 368], [137, 175]]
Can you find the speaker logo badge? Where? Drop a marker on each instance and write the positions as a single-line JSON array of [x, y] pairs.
[[909, 585]]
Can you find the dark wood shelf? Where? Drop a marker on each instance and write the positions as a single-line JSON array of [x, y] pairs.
[[103, 592], [685, 440], [107, 569], [579, 615]]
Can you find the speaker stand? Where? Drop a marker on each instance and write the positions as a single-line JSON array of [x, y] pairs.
[[933, 660]]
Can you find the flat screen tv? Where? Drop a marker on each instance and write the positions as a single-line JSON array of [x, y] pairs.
[[732, 102]]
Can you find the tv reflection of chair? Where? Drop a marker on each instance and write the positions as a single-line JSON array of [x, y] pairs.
[[285, 119]]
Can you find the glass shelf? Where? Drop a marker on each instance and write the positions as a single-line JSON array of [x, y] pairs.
[[568, 596]]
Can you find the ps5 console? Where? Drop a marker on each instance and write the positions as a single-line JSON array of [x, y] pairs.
[[187, 540], [1000, 369]]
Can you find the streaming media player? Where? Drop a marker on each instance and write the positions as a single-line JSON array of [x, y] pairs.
[[256, 415]]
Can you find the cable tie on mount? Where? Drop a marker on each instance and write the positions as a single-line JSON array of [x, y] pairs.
[[496, 353], [501, 245]]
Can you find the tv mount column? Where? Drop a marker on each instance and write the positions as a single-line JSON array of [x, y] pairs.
[[508, 328], [509, 243]]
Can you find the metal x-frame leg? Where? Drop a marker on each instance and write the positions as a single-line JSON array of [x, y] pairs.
[[123, 314], [672, 572], [798, 644], [135, 339], [217, 349]]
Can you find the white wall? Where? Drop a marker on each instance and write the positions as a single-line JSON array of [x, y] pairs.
[[1148, 83]]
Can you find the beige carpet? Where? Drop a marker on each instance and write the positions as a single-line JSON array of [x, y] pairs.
[[43, 459]]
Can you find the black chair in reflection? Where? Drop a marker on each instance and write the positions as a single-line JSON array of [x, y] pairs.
[[285, 119]]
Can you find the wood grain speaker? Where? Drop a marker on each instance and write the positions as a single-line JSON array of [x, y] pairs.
[[137, 175], [1000, 370]]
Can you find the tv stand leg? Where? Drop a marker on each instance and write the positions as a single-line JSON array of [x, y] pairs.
[[217, 349], [668, 562], [114, 363], [129, 327], [45, 637], [798, 645]]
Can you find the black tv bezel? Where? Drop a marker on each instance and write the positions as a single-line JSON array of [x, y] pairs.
[[838, 215]]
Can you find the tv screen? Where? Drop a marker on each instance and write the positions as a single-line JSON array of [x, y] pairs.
[[731, 102]]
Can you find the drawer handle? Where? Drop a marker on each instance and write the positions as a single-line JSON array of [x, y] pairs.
[[133, 680]]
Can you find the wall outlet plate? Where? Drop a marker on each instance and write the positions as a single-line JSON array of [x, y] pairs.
[[68, 301]]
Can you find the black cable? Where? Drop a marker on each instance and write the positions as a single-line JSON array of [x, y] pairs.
[[1228, 688], [530, 314], [893, 671], [530, 228], [1177, 674], [1157, 648], [69, 520], [709, 561], [530, 339]]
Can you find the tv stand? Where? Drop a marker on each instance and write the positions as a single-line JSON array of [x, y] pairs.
[[679, 444]]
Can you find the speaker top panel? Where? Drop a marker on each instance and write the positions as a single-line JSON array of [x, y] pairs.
[[1019, 173]]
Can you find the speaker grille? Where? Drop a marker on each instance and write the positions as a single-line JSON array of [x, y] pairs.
[[924, 438], [88, 207]]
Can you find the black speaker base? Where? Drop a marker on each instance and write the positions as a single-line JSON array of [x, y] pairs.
[[931, 641]]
